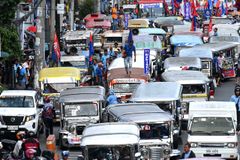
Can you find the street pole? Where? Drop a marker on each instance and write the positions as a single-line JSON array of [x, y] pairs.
[[61, 17], [72, 14], [52, 24], [39, 44]]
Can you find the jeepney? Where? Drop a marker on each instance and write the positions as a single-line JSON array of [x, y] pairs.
[[156, 127], [129, 8], [195, 87], [80, 106], [78, 61], [179, 42], [110, 141], [205, 54], [109, 38], [53, 80], [74, 41], [182, 63], [167, 95], [120, 82]]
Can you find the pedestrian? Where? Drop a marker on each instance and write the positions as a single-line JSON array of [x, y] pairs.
[[48, 114], [127, 55], [17, 151], [104, 59], [65, 155], [220, 66], [121, 19], [216, 69], [187, 152], [215, 32], [94, 71], [21, 77], [111, 52], [112, 98], [99, 74], [114, 17], [238, 72], [235, 98]]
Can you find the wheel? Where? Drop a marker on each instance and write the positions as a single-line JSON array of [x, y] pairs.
[[62, 147]]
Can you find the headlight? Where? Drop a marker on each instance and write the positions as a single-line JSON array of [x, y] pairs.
[[29, 118], [166, 151], [194, 145], [145, 153], [231, 145]]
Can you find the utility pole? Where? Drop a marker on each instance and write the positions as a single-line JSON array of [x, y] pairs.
[[40, 43], [61, 17], [72, 14], [52, 24]]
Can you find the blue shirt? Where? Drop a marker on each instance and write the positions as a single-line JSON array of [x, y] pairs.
[[99, 72], [23, 73], [186, 155], [111, 53], [112, 99], [236, 100], [129, 50], [104, 60], [94, 72]]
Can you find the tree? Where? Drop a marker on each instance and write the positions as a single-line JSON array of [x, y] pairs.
[[8, 32], [86, 7]]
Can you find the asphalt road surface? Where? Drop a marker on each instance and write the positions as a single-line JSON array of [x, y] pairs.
[[222, 93]]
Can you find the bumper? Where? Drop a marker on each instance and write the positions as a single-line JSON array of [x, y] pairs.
[[71, 141], [226, 153]]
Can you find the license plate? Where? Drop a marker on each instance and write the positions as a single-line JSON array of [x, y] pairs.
[[12, 128], [75, 139], [211, 151]]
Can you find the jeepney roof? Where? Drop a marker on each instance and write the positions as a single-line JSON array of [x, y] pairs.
[[30, 93], [196, 52], [120, 73], [151, 31], [81, 97], [138, 23], [83, 89], [139, 113], [109, 134], [221, 20], [72, 35], [218, 46], [110, 33], [177, 63], [185, 40], [157, 92], [172, 20], [185, 77], [59, 72], [77, 58]]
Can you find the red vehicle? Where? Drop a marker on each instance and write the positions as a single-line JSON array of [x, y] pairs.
[[97, 20]]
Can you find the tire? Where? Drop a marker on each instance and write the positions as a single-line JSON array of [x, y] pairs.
[[62, 147]]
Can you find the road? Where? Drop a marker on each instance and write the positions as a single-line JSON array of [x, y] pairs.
[[222, 93]]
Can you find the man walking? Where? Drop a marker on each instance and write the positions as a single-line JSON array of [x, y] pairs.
[[187, 152], [127, 55]]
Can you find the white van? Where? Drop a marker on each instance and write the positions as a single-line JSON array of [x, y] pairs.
[[212, 129], [20, 110]]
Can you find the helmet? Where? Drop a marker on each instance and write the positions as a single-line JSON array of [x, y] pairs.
[[65, 153], [31, 134], [20, 135]]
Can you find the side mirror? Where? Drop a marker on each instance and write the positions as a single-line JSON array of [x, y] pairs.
[[40, 105], [189, 132], [137, 155]]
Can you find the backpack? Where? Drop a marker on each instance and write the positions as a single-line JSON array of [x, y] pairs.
[[48, 113], [19, 75]]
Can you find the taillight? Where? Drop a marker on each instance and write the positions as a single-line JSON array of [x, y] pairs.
[[211, 93]]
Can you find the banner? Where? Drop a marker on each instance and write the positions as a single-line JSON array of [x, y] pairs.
[[56, 47], [146, 60]]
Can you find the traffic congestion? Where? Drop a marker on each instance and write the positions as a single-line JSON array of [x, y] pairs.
[[134, 80]]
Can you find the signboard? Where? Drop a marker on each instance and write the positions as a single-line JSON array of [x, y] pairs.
[[152, 5], [60, 8], [146, 60]]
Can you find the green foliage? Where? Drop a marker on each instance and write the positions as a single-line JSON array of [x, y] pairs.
[[86, 7], [7, 11], [10, 41]]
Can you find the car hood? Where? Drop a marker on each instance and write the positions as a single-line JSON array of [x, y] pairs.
[[17, 111]]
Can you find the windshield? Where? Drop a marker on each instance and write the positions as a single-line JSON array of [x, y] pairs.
[[224, 39], [125, 87], [212, 126], [154, 131], [19, 102], [113, 153], [152, 12], [205, 64], [78, 41], [194, 89], [77, 64], [84, 109], [57, 87], [167, 107], [113, 39]]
